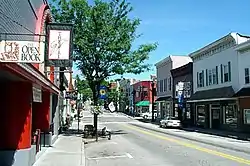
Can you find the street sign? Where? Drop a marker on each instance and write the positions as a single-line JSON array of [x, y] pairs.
[[71, 95], [111, 107]]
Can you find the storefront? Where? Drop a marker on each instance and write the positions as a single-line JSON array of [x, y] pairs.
[[165, 107], [215, 109], [243, 96]]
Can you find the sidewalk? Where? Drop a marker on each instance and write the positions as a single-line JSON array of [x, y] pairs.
[[68, 150], [227, 143]]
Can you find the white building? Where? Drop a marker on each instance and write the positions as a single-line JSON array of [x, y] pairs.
[[243, 95], [215, 81], [164, 82], [127, 90]]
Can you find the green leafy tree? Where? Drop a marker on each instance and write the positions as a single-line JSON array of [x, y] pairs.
[[83, 88], [103, 38]]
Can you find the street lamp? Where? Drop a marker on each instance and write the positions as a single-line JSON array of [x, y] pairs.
[[95, 95], [153, 95]]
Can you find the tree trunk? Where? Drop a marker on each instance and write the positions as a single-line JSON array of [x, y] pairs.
[[94, 87]]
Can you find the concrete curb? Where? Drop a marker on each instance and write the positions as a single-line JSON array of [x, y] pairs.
[[239, 149]]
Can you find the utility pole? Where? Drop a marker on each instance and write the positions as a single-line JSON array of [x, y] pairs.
[[153, 90], [153, 96]]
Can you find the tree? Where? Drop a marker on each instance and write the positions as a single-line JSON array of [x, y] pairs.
[[83, 88], [103, 38]]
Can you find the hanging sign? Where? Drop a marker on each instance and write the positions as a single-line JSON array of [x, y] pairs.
[[22, 51], [60, 45], [37, 94], [102, 92]]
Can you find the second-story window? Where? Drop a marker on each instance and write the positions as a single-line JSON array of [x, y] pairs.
[[247, 76], [226, 72], [169, 84], [212, 76], [200, 79], [161, 86], [165, 85]]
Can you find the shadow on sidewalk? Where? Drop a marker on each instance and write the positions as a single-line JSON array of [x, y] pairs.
[[118, 132], [71, 132]]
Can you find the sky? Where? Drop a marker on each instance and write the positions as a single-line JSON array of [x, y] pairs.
[[183, 26]]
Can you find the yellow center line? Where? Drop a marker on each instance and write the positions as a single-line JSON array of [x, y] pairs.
[[193, 146]]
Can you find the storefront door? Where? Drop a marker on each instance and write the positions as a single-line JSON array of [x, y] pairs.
[[214, 116]]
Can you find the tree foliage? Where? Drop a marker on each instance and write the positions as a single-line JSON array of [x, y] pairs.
[[83, 88], [103, 38]]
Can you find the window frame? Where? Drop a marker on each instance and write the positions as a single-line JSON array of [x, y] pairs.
[[247, 76], [225, 73], [245, 120]]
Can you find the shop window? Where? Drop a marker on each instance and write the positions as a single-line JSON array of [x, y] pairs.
[[230, 115], [201, 115], [246, 116], [247, 76]]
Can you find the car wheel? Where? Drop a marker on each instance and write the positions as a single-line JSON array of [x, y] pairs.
[[145, 116]]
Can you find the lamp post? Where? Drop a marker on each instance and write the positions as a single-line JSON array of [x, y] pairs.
[[153, 95]]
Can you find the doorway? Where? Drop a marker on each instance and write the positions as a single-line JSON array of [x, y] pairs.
[[214, 116]]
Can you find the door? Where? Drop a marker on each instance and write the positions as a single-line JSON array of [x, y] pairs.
[[214, 116]]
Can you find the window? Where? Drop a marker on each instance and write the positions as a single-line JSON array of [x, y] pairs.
[[145, 93], [247, 80], [226, 73], [165, 85], [200, 79], [158, 86], [210, 77], [161, 86], [169, 84], [230, 115], [214, 75], [137, 94], [246, 116], [200, 115]]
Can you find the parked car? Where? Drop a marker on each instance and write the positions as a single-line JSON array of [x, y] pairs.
[[148, 115], [170, 122]]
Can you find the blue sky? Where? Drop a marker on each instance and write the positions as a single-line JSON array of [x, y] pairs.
[[183, 26]]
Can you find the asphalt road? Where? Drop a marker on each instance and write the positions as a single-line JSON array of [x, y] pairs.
[[133, 146]]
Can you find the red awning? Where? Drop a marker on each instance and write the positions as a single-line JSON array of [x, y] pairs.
[[29, 72]]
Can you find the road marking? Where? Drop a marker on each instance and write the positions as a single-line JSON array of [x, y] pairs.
[[193, 146], [129, 155], [111, 157], [115, 143]]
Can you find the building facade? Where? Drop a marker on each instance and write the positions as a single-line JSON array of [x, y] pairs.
[[165, 81], [37, 110], [143, 96], [215, 82], [182, 90], [243, 95]]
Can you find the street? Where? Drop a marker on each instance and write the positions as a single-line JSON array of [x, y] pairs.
[[132, 145]]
